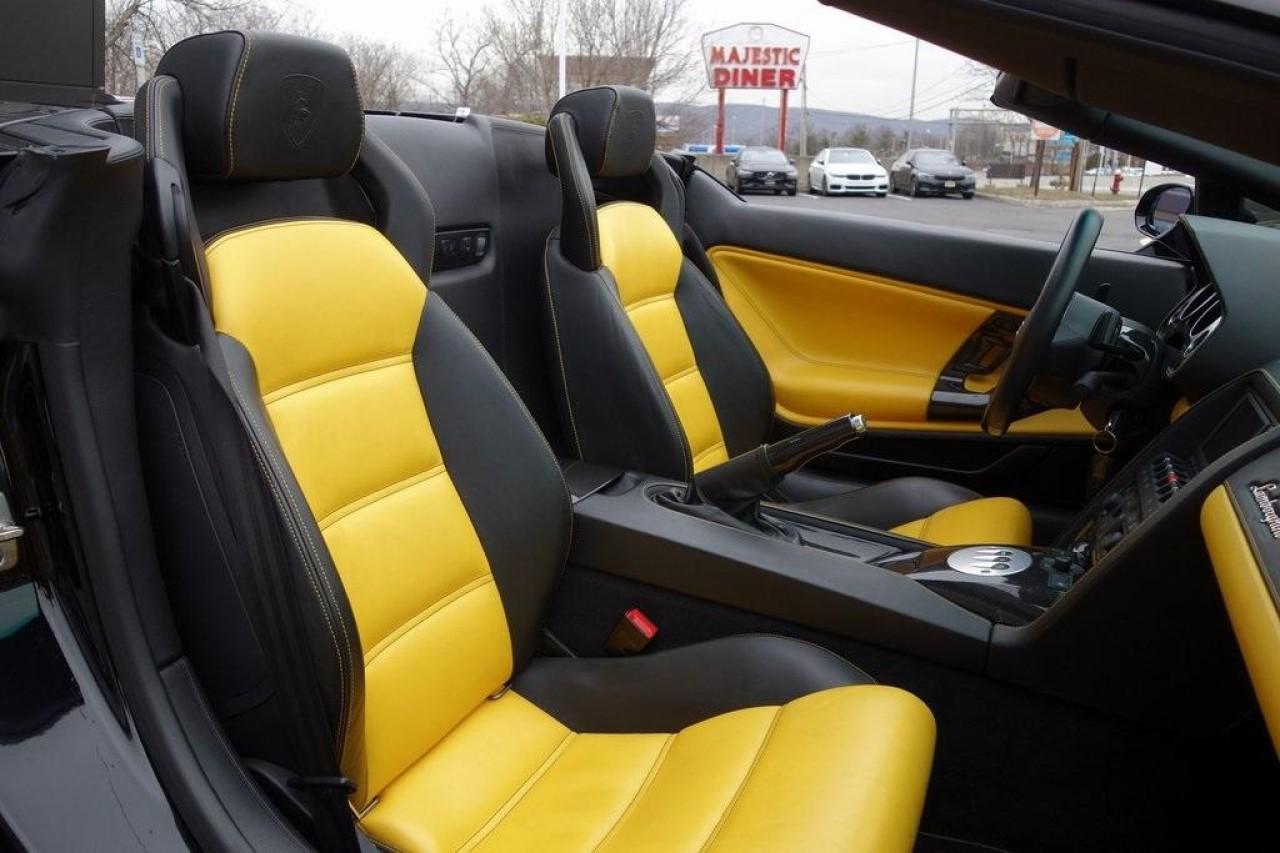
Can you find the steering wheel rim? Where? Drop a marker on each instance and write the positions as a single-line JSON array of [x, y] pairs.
[[1031, 344]]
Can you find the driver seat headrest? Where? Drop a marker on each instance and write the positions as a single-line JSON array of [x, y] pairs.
[[615, 128], [265, 106]]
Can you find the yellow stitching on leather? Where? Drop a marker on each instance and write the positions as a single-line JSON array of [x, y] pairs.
[[650, 300], [514, 800], [235, 100], [676, 377], [640, 792], [268, 469], [425, 614], [728, 809], [710, 450], [555, 331], [334, 375], [372, 498]]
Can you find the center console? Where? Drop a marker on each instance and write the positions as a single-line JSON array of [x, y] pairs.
[[1130, 572]]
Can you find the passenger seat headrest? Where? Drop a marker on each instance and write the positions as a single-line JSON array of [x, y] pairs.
[[266, 106], [615, 127]]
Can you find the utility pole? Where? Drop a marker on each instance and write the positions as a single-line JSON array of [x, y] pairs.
[[804, 112], [561, 32], [911, 112]]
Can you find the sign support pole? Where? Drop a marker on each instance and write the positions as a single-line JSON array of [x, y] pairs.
[[782, 124], [720, 122]]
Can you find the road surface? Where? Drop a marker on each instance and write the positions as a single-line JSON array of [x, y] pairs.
[[979, 214]]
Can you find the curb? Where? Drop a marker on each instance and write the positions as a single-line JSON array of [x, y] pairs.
[[1064, 203]]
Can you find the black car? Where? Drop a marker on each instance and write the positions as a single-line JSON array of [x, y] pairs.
[[764, 169], [931, 171]]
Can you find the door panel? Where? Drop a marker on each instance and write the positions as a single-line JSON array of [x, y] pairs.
[[855, 312], [837, 340]]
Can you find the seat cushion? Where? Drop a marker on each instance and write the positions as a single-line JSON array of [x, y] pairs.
[[930, 510], [668, 690], [841, 769], [986, 521]]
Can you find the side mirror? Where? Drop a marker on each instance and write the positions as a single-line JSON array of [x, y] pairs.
[[1159, 208], [791, 160]]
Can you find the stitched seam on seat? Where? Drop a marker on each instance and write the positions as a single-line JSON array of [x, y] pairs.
[[648, 300], [235, 100], [746, 777], [377, 495], [334, 375], [591, 227], [676, 377], [425, 614], [713, 448], [287, 222], [555, 331], [506, 808], [608, 137], [297, 532], [670, 407], [640, 792]]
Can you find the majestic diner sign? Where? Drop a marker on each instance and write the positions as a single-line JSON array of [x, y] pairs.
[[754, 56]]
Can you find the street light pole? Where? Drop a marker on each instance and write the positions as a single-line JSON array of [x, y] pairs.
[[911, 112]]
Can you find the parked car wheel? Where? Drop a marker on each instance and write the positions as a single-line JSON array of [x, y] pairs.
[[968, 196], [881, 195], [791, 191], [915, 188], [825, 190]]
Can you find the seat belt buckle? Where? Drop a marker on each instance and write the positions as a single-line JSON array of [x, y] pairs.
[[632, 634], [339, 785]]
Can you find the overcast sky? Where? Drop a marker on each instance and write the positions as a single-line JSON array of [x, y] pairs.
[[854, 64]]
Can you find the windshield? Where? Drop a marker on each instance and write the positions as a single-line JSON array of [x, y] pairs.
[[850, 155], [936, 158], [765, 157]]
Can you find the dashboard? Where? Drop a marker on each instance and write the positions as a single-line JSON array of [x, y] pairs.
[[1226, 325]]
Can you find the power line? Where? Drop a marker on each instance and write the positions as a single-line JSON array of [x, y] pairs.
[[833, 51]]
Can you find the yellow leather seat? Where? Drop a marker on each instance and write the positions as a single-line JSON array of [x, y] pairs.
[[428, 520], [656, 373], [843, 769]]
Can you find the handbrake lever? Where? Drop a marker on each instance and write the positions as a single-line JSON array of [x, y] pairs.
[[737, 486]]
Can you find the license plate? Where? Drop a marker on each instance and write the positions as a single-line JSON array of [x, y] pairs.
[[770, 182], [949, 184]]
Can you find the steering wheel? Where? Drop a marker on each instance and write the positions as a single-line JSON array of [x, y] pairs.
[[1031, 344]]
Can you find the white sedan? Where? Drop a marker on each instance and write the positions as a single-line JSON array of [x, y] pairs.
[[847, 170]]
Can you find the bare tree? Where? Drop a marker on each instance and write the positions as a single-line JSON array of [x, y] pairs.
[[643, 43], [388, 75], [161, 23], [467, 60]]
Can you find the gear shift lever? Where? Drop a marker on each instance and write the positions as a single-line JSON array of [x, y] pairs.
[[736, 487]]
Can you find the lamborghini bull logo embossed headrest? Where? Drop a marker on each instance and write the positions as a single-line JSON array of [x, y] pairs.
[[301, 95]]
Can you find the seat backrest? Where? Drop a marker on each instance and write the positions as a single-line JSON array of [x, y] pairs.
[[423, 508], [656, 374]]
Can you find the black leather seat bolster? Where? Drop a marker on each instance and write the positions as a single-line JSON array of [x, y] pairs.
[[505, 473], [616, 409], [891, 503], [736, 377], [668, 690]]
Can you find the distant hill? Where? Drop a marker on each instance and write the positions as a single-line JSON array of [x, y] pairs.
[[753, 124]]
